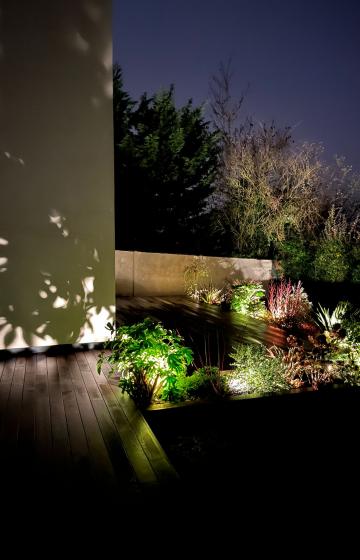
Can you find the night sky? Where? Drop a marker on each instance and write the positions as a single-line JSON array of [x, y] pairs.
[[300, 59]]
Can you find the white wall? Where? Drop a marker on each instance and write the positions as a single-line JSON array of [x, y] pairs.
[[56, 172]]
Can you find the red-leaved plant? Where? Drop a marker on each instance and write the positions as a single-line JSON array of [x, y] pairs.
[[287, 303]]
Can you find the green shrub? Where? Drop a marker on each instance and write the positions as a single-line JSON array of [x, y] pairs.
[[345, 341], [249, 299], [347, 355], [148, 357], [258, 372], [355, 274], [341, 340], [351, 324], [355, 263], [296, 258], [332, 258], [204, 382], [331, 262]]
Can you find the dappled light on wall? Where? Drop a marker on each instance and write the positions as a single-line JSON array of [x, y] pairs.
[[3, 257], [13, 159], [78, 42], [56, 173], [93, 11], [66, 305]]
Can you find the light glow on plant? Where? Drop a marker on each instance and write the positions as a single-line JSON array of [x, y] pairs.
[[148, 358]]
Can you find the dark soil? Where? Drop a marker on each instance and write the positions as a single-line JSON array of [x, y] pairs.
[[264, 448]]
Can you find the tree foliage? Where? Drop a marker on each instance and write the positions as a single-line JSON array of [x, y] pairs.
[[267, 189], [166, 162], [230, 187], [273, 196], [123, 107]]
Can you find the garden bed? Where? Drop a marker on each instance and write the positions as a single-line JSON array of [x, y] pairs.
[[245, 447], [295, 424], [273, 341]]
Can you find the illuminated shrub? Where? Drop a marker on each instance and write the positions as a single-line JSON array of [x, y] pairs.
[[288, 304], [331, 356], [341, 333], [248, 299], [351, 324], [332, 261], [258, 372], [198, 282], [317, 363], [148, 357], [327, 320], [197, 278]]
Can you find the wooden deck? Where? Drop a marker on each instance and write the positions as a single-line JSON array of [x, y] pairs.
[[68, 436], [74, 448], [70, 440]]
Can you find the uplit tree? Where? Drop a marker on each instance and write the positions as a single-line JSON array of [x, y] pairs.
[[266, 188]]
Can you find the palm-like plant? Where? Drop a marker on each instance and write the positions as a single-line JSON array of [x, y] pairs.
[[327, 320]]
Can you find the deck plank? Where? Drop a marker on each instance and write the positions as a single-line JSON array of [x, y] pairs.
[[43, 433], [101, 462], [132, 447], [70, 437], [2, 365], [60, 436], [133, 450], [11, 418], [14, 402], [80, 454], [26, 440], [149, 444], [8, 371], [7, 459]]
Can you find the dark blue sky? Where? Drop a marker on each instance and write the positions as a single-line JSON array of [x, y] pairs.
[[301, 59]]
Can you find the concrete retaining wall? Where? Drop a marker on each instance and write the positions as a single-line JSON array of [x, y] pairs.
[[153, 274]]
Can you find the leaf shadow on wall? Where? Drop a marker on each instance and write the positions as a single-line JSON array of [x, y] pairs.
[[48, 301], [56, 172]]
